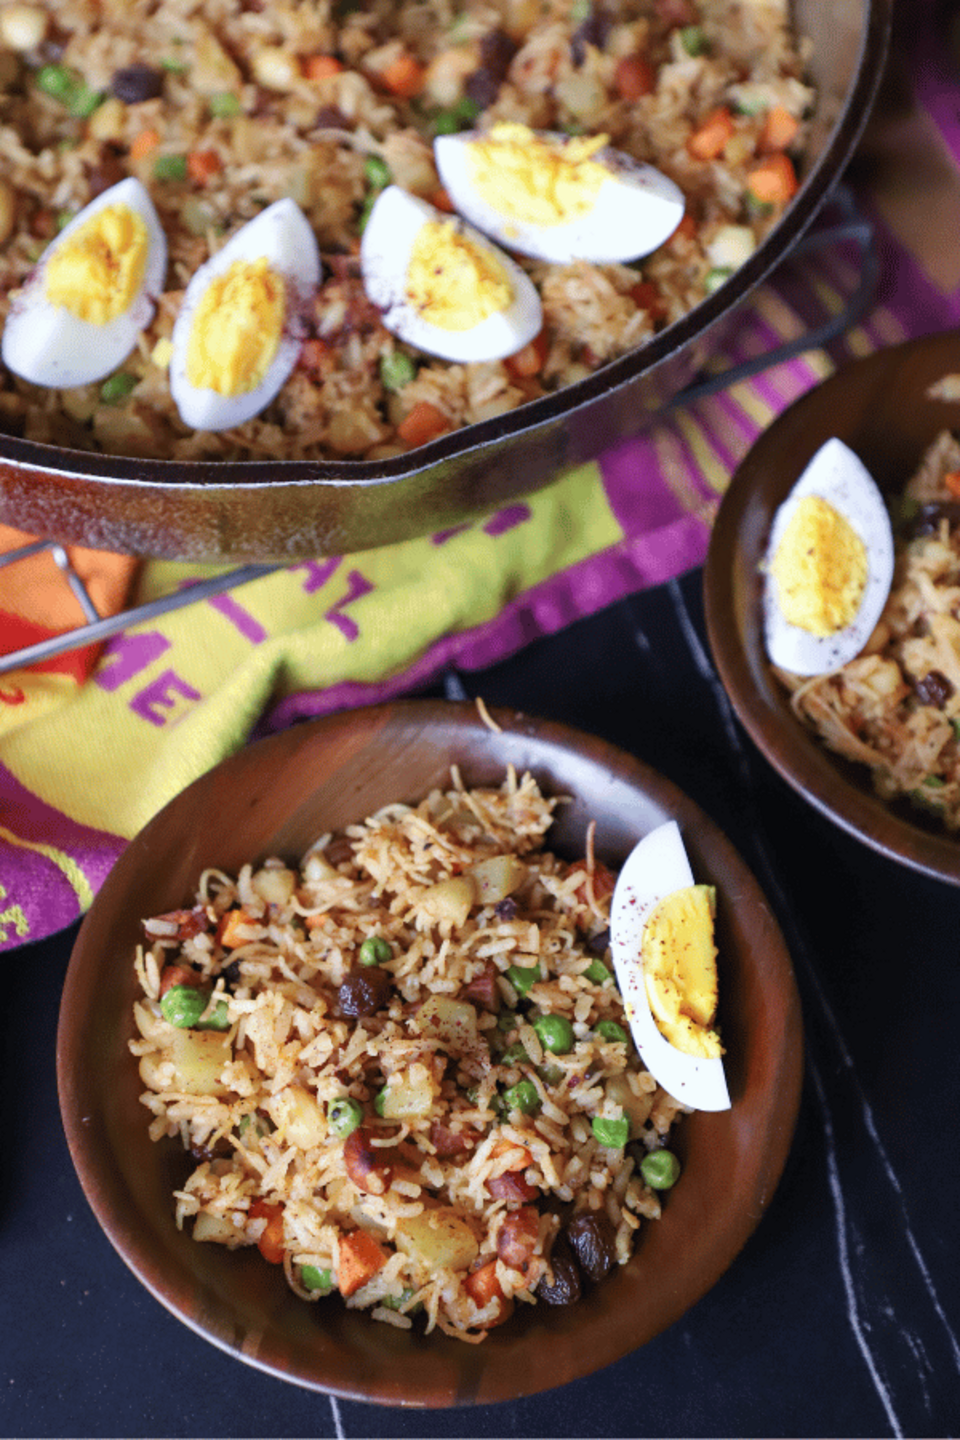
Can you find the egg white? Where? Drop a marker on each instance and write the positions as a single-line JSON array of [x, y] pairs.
[[282, 235], [47, 345], [656, 867], [391, 229], [838, 476], [635, 211]]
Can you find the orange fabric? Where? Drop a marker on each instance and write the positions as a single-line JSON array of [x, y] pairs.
[[36, 601]]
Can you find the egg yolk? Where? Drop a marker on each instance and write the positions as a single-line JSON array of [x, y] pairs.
[[680, 970], [453, 283], [236, 330], [820, 568], [533, 180], [96, 273]]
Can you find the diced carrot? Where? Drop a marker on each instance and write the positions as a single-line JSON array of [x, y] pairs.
[[646, 296], [270, 1243], [425, 422], [529, 360], [773, 181], [360, 1259], [403, 77], [483, 1286], [320, 67], [710, 136], [634, 77], [179, 975], [229, 924], [313, 354], [523, 1156], [202, 165], [952, 482], [686, 229], [143, 143], [778, 132], [315, 922], [440, 200]]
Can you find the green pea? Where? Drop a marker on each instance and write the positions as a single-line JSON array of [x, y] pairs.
[[117, 387], [170, 167], [183, 1005], [380, 1101], [218, 1019], [514, 1054], [466, 109], [715, 277], [555, 1032], [365, 209], [660, 1169], [252, 1127], [612, 1133], [694, 40], [446, 123], [175, 67], [225, 105], [523, 1096], [313, 1278], [597, 973], [550, 1074], [397, 1302], [523, 978], [375, 951], [506, 1020], [610, 1030], [63, 219], [396, 370], [56, 81], [377, 172], [581, 10], [344, 1115], [84, 101]]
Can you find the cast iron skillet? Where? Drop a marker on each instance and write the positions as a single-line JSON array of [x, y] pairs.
[[293, 509]]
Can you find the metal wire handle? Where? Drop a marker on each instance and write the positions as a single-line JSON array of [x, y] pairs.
[[851, 227]]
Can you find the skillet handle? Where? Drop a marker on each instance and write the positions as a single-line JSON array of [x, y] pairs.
[[850, 225]]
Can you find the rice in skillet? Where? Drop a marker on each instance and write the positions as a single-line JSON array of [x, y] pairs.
[[413, 1043], [223, 107]]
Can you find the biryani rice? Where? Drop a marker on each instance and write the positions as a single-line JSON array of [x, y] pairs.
[[896, 706], [232, 106], [425, 1067]]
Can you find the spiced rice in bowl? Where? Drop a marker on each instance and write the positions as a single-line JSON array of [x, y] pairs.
[[431, 1106], [872, 741]]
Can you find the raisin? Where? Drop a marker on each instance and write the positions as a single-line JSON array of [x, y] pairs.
[[595, 31], [594, 1243], [136, 83], [364, 991], [933, 688], [565, 1287]]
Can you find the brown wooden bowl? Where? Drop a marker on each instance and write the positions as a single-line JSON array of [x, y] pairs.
[[881, 408], [276, 797]]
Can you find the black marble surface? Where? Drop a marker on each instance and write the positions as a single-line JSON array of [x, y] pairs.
[[841, 1316]]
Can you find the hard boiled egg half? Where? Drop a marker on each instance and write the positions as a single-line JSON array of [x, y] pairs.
[[829, 565], [94, 288], [238, 334], [441, 286], [662, 942], [558, 197]]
